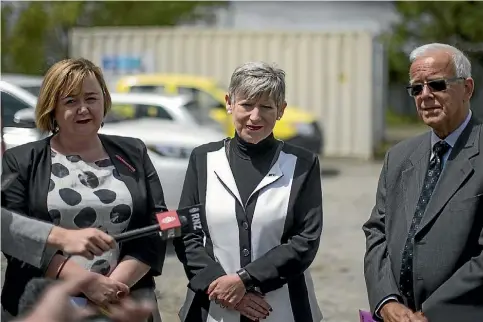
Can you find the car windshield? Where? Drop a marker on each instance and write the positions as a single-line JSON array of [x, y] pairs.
[[114, 116], [201, 115], [151, 89]]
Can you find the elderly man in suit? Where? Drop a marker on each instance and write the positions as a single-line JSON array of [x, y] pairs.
[[424, 236]]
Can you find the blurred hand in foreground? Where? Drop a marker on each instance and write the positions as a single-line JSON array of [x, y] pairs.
[[56, 306]]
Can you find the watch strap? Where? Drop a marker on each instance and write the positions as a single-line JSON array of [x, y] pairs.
[[246, 278]]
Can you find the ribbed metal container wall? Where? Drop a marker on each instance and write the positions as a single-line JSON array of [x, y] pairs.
[[332, 75]]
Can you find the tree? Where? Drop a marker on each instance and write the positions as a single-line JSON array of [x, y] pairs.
[[36, 38], [458, 23]]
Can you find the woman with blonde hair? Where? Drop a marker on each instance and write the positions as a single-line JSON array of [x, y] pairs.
[[77, 178]]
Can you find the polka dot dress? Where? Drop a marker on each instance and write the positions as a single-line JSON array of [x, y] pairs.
[[89, 194]]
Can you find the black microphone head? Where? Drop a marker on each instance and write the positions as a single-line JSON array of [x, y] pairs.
[[183, 220], [34, 290], [190, 218]]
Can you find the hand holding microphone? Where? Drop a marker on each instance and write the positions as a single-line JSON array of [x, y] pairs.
[[84, 242], [90, 242]]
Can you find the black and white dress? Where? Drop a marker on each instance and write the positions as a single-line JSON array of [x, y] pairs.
[[89, 194], [263, 213]]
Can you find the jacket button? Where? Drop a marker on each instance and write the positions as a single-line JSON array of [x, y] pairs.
[[245, 225], [245, 252]]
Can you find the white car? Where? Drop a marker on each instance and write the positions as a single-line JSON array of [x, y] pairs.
[[179, 108], [14, 99], [170, 140], [30, 83], [169, 147], [169, 144]]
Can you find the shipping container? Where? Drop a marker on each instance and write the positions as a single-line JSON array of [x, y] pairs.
[[340, 77]]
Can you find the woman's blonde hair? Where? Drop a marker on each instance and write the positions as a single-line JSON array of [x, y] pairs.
[[65, 78]]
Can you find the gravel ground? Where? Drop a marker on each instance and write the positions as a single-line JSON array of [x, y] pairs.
[[348, 190]]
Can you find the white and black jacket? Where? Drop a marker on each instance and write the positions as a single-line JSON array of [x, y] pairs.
[[275, 236]]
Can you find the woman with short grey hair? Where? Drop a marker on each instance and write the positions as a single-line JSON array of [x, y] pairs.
[[263, 220]]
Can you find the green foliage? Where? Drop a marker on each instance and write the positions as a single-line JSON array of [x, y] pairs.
[[28, 48], [6, 11], [38, 37], [394, 119], [458, 23], [160, 13]]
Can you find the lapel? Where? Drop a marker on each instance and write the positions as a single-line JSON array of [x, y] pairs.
[[415, 173], [457, 169], [225, 175], [41, 179], [128, 170], [273, 175]]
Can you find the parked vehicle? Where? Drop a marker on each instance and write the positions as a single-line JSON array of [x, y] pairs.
[[169, 144], [13, 100], [181, 109], [162, 106], [169, 147], [3, 146], [28, 82], [296, 126]]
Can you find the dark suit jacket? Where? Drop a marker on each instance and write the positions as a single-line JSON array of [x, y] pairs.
[[28, 195], [448, 258]]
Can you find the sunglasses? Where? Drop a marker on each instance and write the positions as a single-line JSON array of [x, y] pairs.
[[436, 85]]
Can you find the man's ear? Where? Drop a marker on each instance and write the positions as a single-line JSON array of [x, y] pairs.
[[469, 88], [228, 104]]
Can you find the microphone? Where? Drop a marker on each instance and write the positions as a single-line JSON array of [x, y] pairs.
[[171, 224]]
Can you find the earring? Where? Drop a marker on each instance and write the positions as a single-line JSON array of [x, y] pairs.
[[102, 124], [55, 126], [229, 111]]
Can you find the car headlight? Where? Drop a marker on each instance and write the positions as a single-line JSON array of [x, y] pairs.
[[305, 129], [171, 151]]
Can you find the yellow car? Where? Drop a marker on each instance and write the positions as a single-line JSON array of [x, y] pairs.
[[297, 127]]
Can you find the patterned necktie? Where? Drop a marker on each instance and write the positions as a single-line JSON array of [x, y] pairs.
[[432, 176]]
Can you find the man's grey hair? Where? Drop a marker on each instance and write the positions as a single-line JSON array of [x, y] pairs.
[[254, 79], [461, 63]]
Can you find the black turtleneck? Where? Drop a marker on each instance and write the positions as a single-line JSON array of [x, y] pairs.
[[250, 162]]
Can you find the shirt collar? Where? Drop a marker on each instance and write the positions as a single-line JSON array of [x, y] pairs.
[[451, 139]]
